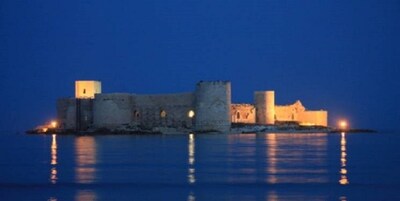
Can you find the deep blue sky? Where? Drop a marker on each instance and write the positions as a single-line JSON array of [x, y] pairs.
[[343, 56]]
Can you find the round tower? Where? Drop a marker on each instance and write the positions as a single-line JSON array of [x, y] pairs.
[[212, 106], [265, 107]]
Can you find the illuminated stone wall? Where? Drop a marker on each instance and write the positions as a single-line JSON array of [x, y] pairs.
[[288, 112], [87, 89], [311, 118], [243, 113], [208, 108], [167, 110], [210, 105], [298, 113], [265, 107]]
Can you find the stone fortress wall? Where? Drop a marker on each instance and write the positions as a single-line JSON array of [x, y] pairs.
[[243, 113], [170, 110], [207, 108]]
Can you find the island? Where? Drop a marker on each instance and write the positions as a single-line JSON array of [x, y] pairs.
[[208, 109]]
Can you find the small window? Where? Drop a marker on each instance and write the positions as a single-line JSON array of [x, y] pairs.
[[136, 114], [84, 91], [238, 115]]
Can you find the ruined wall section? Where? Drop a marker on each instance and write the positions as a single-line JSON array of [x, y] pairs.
[[243, 113], [212, 106], [289, 112], [314, 118], [298, 113], [167, 110], [112, 110]]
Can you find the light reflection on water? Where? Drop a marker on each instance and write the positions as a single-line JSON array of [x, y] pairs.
[[191, 169], [85, 195], [343, 155], [296, 158], [244, 151], [271, 155], [274, 158], [85, 156], [191, 160], [53, 163]]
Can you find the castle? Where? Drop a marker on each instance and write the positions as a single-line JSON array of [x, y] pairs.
[[208, 108]]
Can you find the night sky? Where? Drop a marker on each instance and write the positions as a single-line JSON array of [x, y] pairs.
[[337, 55]]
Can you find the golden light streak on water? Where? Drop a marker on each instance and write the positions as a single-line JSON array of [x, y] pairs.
[[85, 158], [272, 146], [284, 150], [343, 171], [53, 170], [191, 160], [85, 195], [54, 150]]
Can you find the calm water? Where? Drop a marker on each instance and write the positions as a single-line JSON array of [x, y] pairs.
[[201, 167]]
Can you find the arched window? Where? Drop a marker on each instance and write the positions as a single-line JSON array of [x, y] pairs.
[[163, 114], [238, 115], [84, 91]]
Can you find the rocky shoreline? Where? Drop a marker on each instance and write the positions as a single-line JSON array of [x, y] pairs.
[[236, 128]]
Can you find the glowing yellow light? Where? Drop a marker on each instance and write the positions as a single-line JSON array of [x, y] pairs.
[[44, 130], [343, 124], [344, 180], [53, 124], [191, 114]]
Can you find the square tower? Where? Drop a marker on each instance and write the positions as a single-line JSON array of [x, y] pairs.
[[86, 89]]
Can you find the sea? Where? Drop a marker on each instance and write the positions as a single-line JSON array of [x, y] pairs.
[[269, 166]]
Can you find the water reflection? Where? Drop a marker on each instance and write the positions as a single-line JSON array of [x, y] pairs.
[[53, 163], [271, 154], [85, 195], [191, 160], [85, 158], [343, 155], [243, 158], [296, 158], [191, 197]]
